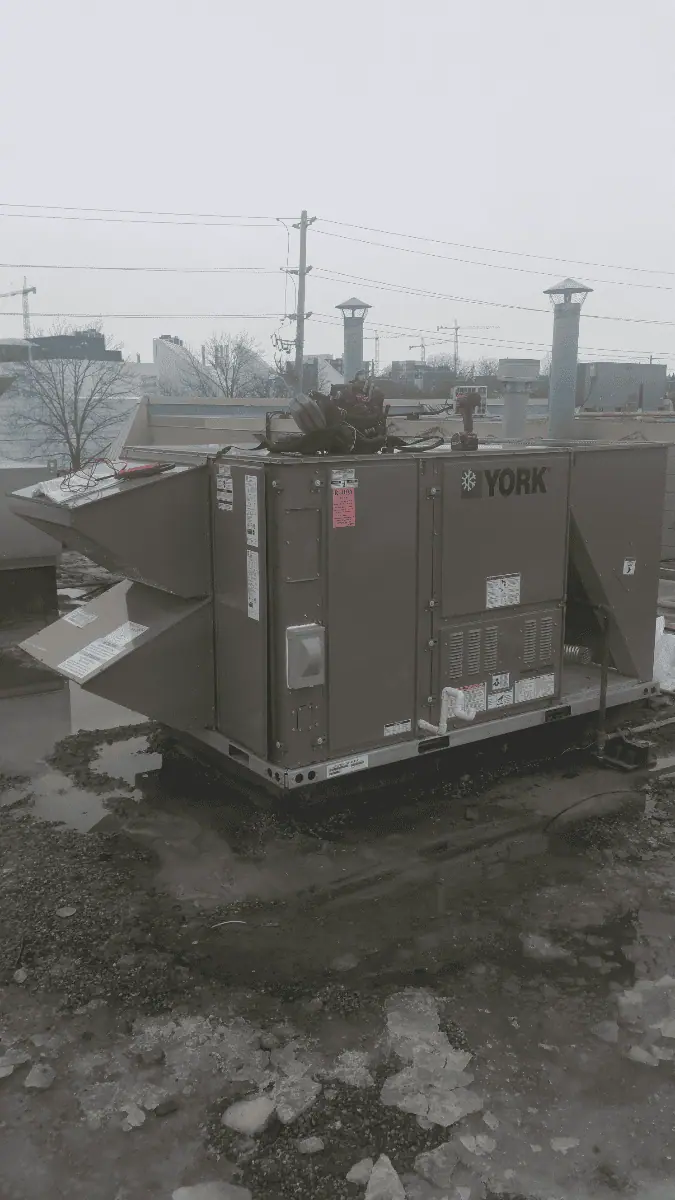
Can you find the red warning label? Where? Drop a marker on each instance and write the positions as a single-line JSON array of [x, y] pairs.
[[344, 507]]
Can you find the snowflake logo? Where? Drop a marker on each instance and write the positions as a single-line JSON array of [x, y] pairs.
[[468, 481]]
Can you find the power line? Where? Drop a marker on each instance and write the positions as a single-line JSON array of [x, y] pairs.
[[494, 250], [142, 212], [402, 289], [198, 218], [665, 287], [226, 224], [404, 331], [167, 270], [85, 316]]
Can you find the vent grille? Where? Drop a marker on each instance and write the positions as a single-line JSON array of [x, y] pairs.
[[456, 655], [530, 642], [490, 648], [473, 652], [545, 639]]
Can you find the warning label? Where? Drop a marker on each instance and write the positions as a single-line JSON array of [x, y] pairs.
[[100, 652], [344, 507], [395, 728], [79, 617], [629, 565], [474, 697], [253, 584], [225, 489], [344, 477], [346, 766], [251, 491], [536, 688], [500, 682], [501, 699], [502, 591]]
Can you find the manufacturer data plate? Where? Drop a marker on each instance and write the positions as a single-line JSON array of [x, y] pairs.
[[502, 591]]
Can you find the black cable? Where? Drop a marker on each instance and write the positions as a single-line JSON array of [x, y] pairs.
[[401, 289], [86, 316], [666, 287], [580, 262], [137, 220], [144, 212], [168, 270]]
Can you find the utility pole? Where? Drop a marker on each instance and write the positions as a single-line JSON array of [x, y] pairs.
[[422, 347], [302, 272], [26, 311], [454, 328], [24, 292]]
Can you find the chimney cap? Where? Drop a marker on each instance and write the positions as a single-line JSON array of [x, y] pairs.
[[567, 288], [352, 304]]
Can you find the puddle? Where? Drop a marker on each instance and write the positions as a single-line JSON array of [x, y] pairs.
[[52, 797], [125, 760]]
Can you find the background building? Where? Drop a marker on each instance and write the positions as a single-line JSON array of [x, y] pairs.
[[621, 387]]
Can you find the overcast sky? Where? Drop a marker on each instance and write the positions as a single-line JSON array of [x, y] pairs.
[[539, 127]]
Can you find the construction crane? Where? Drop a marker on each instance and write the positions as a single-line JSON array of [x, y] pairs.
[[455, 327], [24, 292]]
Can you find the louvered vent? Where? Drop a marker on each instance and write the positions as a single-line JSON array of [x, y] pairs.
[[456, 655], [530, 642], [545, 639], [490, 649], [473, 652]]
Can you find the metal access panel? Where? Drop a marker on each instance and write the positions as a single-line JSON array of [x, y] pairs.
[[504, 529], [616, 502], [504, 663], [154, 530], [238, 505], [138, 647], [342, 557], [372, 602]]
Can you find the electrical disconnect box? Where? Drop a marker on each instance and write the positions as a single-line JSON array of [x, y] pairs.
[[312, 617]]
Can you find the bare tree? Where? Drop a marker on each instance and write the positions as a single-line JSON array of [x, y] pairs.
[[229, 365], [487, 366], [66, 407]]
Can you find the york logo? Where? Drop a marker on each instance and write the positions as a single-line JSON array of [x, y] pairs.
[[505, 481]]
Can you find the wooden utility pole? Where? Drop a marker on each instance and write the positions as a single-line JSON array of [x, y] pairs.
[[302, 273]]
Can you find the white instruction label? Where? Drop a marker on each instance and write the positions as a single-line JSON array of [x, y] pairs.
[[537, 687], [344, 477], [253, 584], [79, 617], [629, 565], [474, 697], [500, 699], [502, 591], [346, 766], [500, 682], [100, 652], [251, 492], [225, 488], [397, 727]]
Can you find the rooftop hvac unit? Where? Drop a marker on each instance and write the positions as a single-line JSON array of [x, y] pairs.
[[312, 617]]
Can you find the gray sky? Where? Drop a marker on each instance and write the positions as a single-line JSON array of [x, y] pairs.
[[534, 126]]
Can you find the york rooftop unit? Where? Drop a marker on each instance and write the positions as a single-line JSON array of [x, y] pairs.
[[309, 617]]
